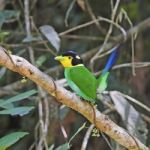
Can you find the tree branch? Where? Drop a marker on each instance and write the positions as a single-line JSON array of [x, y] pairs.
[[102, 122]]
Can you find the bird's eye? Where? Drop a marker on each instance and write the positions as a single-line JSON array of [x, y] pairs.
[[69, 57]]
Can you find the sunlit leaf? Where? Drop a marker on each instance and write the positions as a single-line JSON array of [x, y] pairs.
[[17, 111], [10, 139], [52, 36]]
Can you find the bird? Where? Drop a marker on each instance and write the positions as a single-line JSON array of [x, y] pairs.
[[80, 79]]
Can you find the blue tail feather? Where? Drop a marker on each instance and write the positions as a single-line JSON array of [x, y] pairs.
[[111, 60], [102, 80]]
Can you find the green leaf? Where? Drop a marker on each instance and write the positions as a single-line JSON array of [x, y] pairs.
[[18, 97], [8, 14], [63, 147], [10, 139], [17, 111], [8, 106]]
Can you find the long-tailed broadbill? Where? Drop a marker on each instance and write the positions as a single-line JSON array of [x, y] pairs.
[[80, 79]]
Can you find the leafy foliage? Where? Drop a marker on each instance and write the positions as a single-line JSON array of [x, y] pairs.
[[8, 14], [10, 139], [19, 97], [16, 111], [10, 109]]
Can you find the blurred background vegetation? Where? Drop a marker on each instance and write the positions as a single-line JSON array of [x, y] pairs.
[[46, 121]]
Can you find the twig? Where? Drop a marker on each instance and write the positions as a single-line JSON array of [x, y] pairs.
[[33, 4], [111, 25], [78, 27], [27, 18], [38, 32], [68, 11], [31, 55], [90, 23], [136, 65], [28, 29], [81, 37], [146, 118], [135, 101], [43, 119], [123, 12], [93, 17], [107, 141], [86, 137], [109, 31], [96, 56], [89, 131]]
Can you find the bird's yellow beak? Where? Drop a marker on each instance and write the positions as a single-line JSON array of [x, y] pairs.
[[59, 58]]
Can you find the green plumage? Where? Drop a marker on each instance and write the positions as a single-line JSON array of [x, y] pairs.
[[82, 81], [102, 82]]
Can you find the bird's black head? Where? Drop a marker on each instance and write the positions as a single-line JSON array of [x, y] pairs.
[[69, 59]]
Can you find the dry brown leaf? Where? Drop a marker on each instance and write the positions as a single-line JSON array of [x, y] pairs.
[[81, 4]]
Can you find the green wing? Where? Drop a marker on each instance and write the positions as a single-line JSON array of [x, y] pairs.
[[82, 81]]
